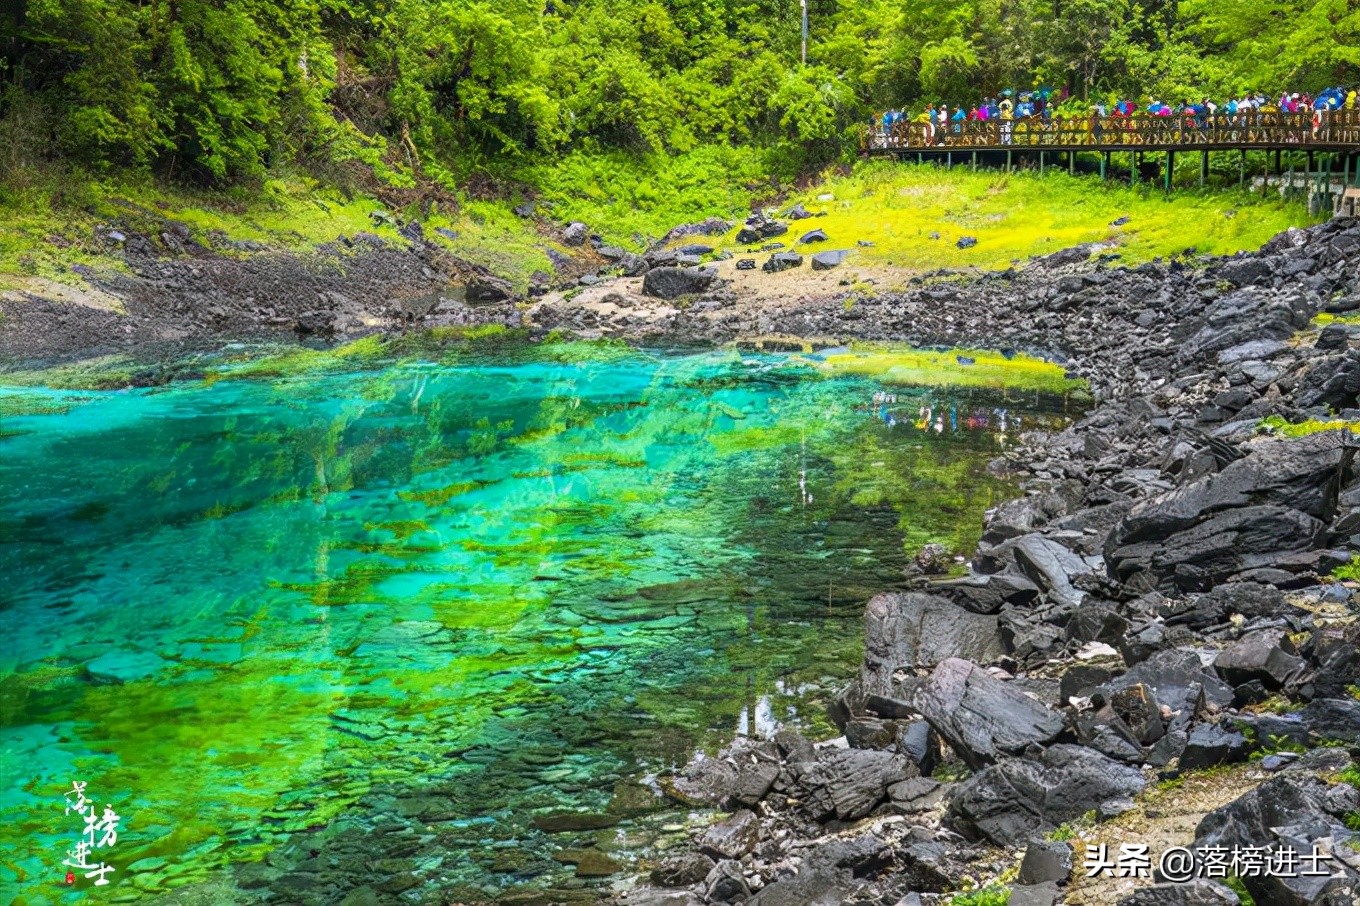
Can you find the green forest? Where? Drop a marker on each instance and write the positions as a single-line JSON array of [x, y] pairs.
[[443, 93]]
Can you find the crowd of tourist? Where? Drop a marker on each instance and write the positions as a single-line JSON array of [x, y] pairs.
[[997, 119]]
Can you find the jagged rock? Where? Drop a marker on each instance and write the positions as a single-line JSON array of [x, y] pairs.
[[1051, 566], [797, 212], [870, 733], [634, 265], [849, 783], [917, 794], [726, 883], [1046, 860], [914, 630], [1333, 720], [825, 261], [1250, 599], [733, 837], [812, 888], [674, 282], [682, 870], [988, 593], [1291, 814], [1266, 655], [782, 261], [1180, 682], [645, 896], [813, 236], [1013, 799], [1195, 892], [981, 717], [746, 264], [966, 242], [1208, 745]]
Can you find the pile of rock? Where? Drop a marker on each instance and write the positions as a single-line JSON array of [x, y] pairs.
[[1166, 572]]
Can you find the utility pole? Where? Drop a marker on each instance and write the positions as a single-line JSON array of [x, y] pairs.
[[805, 32]]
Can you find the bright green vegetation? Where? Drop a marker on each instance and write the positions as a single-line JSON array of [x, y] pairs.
[[1349, 571], [898, 208], [511, 575], [53, 225], [992, 895], [405, 92], [1279, 425], [1236, 885], [960, 367]]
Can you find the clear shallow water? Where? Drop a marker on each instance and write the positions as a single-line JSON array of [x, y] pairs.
[[250, 613]]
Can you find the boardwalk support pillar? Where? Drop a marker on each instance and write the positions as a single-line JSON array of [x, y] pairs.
[[1008, 160], [1242, 168], [1071, 162], [974, 161], [1104, 163], [1041, 163], [949, 160], [1170, 166], [1203, 167]]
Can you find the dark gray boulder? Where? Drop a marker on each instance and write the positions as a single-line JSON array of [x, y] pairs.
[[674, 282], [848, 783], [825, 261], [782, 261], [988, 593], [733, 837], [812, 236], [983, 718], [915, 630], [726, 883], [1266, 655], [682, 870], [1287, 813], [966, 242], [1331, 720], [1051, 566], [1046, 860], [1179, 681], [1260, 511], [1195, 892], [1228, 544], [1208, 745], [1015, 799], [575, 234]]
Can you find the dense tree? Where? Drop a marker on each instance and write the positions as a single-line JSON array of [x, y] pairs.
[[220, 91]]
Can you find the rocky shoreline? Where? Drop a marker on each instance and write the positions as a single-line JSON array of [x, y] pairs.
[[1158, 604]]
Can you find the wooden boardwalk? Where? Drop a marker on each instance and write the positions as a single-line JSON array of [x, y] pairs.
[[1335, 135], [1338, 131]]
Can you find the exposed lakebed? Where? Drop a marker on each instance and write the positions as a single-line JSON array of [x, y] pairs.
[[447, 598]]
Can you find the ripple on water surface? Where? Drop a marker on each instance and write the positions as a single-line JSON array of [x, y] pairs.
[[450, 602]]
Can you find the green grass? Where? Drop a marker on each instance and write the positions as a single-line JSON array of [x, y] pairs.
[[897, 364], [1279, 425], [632, 200], [897, 206], [50, 227]]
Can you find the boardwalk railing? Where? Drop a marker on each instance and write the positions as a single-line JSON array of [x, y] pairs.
[[1255, 129]]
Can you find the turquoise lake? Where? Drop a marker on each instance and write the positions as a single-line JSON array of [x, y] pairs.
[[262, 617]]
